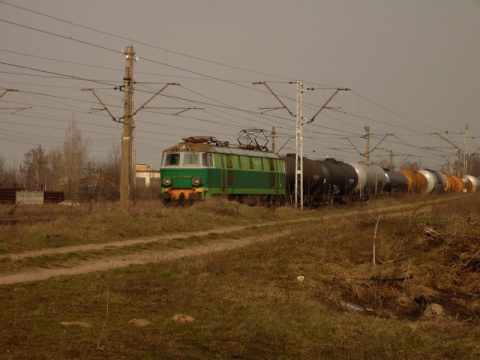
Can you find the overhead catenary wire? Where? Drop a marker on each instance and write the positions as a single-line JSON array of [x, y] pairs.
[[266, 120], [113, 35], [190, 71]]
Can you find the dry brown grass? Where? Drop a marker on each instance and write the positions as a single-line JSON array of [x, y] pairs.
[[26, 228], [249, 303], [413, 269]]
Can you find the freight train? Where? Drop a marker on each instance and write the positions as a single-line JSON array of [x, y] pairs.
[[202, 167]]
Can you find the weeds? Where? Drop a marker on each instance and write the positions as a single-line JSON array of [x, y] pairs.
[[249, 303], [50, 226]]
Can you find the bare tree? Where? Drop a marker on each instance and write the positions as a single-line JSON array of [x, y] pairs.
[[383, 163], [2, 171], [8, 176], [56, 179], [110, 180], [410, 165], [75, 152], [474, 165], [35, 168]]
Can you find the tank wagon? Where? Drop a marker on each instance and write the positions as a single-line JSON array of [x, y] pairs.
[[435, 181], [396, 182], [201, 167], [417, 182], [324, 181], [371, 179], [474, 181], [454, 183]]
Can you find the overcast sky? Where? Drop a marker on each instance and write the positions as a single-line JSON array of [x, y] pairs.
[[413, 67]]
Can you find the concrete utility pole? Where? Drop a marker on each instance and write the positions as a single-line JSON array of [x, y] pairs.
[[465, 151], [128, 161], [127, 171], [367, 145], [299, 145], [273, 139], [368, 152], [457, 166]]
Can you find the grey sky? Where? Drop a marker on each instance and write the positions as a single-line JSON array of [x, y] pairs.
[[412, 65]]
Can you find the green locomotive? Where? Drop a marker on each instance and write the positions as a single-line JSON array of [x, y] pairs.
[[201, 167]]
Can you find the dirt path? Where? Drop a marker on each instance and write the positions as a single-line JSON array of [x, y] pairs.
[[137, 257], [122, 243], [109, 262]]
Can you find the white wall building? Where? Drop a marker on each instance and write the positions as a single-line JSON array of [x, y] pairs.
[[146, 176]]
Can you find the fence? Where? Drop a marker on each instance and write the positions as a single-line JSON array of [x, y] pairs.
[[20, 196]]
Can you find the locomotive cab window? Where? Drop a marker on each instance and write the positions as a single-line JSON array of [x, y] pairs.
[[229, 161], [272, 164], [171, 159], [207, 159], [190, 159]]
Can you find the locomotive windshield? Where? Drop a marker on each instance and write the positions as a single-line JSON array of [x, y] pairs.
[[190, 159], [171, 159]]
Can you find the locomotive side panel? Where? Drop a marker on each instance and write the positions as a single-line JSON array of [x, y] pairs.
[[193, 171]]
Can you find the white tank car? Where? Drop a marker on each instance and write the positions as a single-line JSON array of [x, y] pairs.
[[371, 178], [475, 182]]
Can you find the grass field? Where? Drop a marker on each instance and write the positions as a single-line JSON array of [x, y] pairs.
[[360, 282]]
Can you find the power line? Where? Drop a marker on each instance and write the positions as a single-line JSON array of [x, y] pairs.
[[98, 66], [197, 73], [390, 111], [218, 107], [140, 43], [60, 61], [57, 35], [164, 49], [55, 73]]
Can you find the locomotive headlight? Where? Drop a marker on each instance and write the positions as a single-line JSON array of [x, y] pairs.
[[167, 181], [182, 147], [196, 181]]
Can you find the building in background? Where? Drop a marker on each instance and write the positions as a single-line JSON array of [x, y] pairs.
[[146, 176]]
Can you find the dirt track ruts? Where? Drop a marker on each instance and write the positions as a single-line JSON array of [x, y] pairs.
[[109, 262], [136, 257]]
